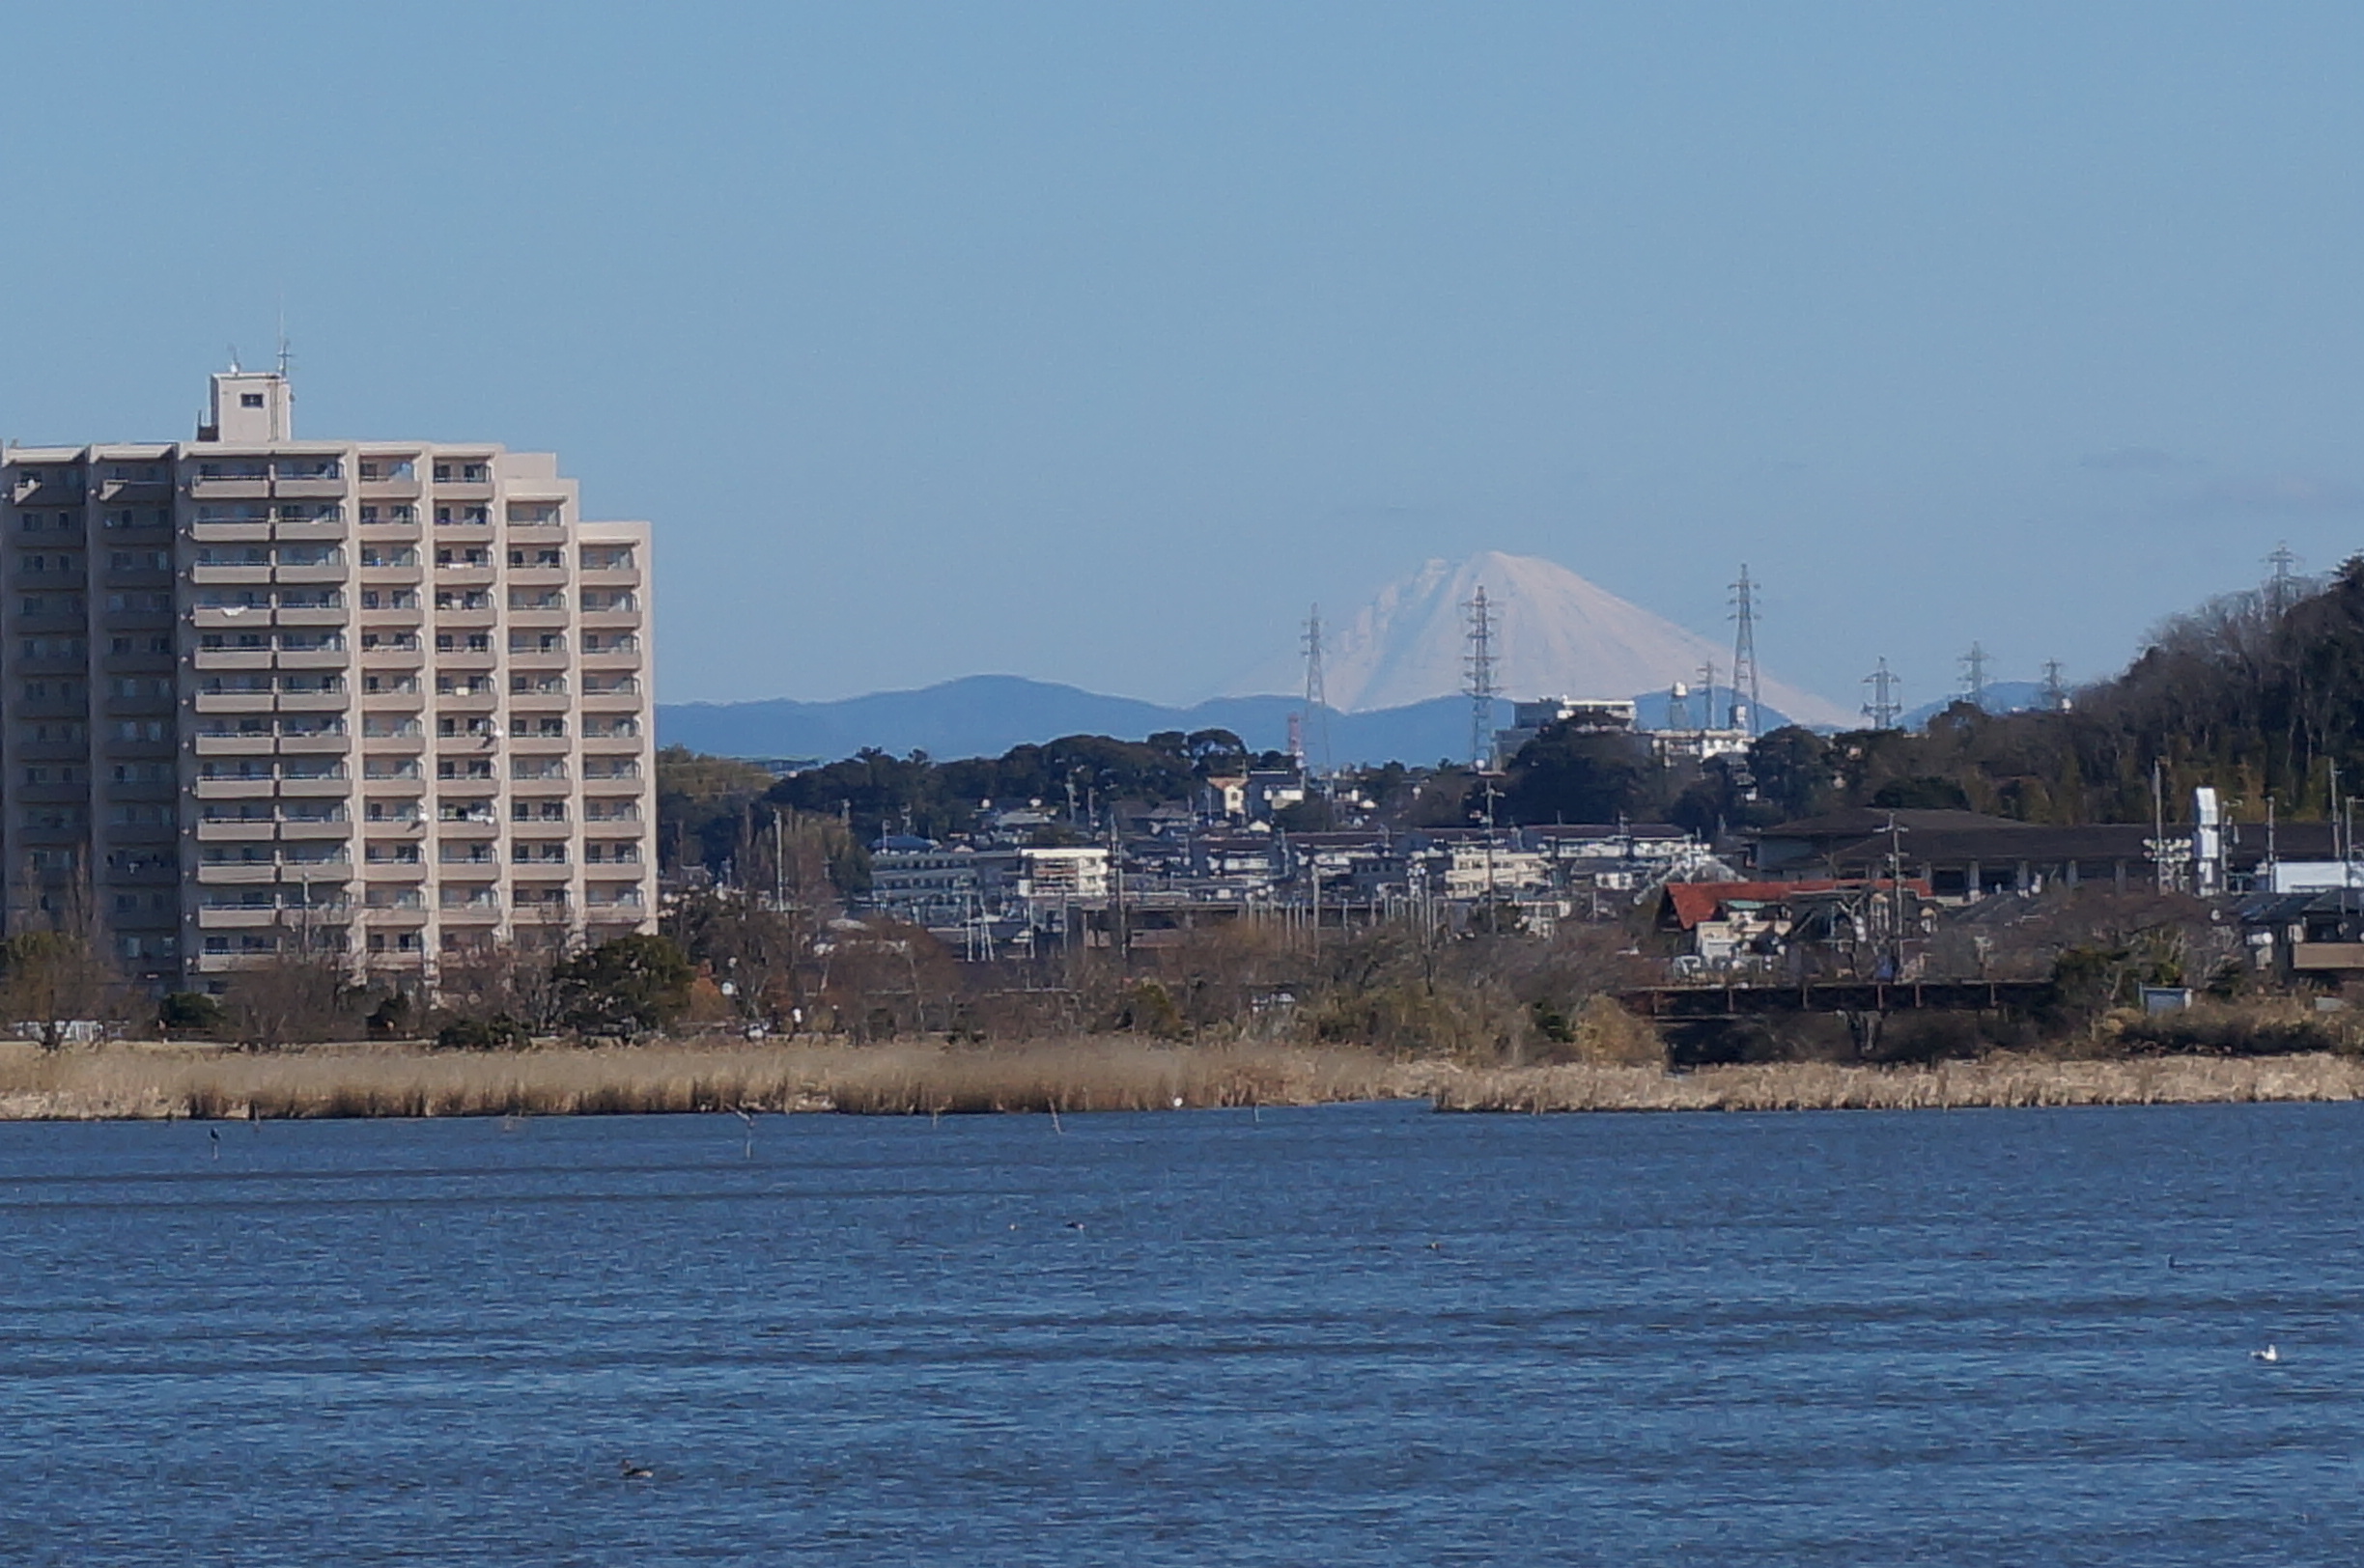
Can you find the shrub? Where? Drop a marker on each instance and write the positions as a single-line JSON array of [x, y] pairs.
[[188, 1011], [499, 1032]]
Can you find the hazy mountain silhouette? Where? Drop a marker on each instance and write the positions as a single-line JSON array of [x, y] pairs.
[[984, 716]]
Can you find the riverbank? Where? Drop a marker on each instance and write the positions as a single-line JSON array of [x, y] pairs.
[[154, 1081], [1992, 1081], [151, 1082]]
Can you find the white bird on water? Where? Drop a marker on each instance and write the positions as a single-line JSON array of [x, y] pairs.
[[2269, 1354]]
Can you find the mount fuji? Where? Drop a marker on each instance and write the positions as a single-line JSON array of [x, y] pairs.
[[1555, 634]]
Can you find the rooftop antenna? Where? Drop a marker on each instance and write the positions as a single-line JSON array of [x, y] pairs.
[[1744, 652], [1974, 674], [1316, 731], [1883, 710], [2055, 690], [1480, 667]]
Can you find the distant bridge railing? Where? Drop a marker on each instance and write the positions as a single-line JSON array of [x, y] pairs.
[[1676, 1004]]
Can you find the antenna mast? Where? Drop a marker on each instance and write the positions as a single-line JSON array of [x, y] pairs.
[[1974, 674], [1316, 731], [1883, 710], [1480, 667], [1744, 652]]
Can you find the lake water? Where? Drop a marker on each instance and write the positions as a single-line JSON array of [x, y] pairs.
[[1358, 1335]]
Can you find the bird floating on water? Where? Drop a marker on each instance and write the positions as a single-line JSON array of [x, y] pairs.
[[626, 1469], [2269, 1354]]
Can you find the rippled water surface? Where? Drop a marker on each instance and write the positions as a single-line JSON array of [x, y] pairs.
[[1348, 1335]]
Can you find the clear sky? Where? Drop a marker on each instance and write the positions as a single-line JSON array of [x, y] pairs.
[[1091, 342]]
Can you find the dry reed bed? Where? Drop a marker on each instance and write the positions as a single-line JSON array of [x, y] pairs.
[[150, 1082], [164, 1081], [1992, 1081]]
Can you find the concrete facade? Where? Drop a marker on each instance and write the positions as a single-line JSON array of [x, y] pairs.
[[390, 699]]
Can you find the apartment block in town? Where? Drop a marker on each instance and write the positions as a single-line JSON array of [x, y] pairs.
[[383, 698]]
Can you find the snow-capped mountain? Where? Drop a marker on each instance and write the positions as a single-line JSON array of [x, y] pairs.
[[1555, 634]]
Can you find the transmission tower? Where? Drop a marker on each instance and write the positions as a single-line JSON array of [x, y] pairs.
[[1316, 725], [2282, 588], [1974, 674], [1480, 668], [1883, 710], [1708, 695], [1744, 652], [2055, 690]]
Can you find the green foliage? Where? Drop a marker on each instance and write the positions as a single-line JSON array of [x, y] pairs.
[[499, 1032], [1920, 794], [1147, 1007], [701, 805], [190, 1012], [630, 985], [390, 1018], [876, 792], [1566, 774]]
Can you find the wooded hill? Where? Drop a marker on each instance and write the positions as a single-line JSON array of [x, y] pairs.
[[2258, 693]]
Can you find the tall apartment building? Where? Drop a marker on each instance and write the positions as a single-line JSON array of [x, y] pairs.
[[389, 698]]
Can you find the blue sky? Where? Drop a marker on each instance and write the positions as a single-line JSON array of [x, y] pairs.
[[1092, 342]]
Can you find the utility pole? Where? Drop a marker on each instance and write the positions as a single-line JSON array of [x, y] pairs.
[[2159, 826], [1120, 936], [2337, 853], [1883, 710], [2269, 843], [1895, 897]]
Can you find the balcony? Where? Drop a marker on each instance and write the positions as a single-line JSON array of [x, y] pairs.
[[255, 487], [237, 874], [260, 919], [309, 488]]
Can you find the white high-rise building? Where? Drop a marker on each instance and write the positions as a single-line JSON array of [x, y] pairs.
[[388, 698]]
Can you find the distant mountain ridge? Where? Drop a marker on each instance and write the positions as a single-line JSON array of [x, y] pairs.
[[2001, 697], [984, 716]]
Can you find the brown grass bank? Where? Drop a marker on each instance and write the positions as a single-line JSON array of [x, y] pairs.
[[153, 1081], [1997, 1080], [168, 1082]]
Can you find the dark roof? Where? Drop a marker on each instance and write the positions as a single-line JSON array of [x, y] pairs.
[[1639, 829], [1860, 822], [2275, 908]]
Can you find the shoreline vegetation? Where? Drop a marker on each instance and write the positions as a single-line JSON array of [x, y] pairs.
[[171, 1081]]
